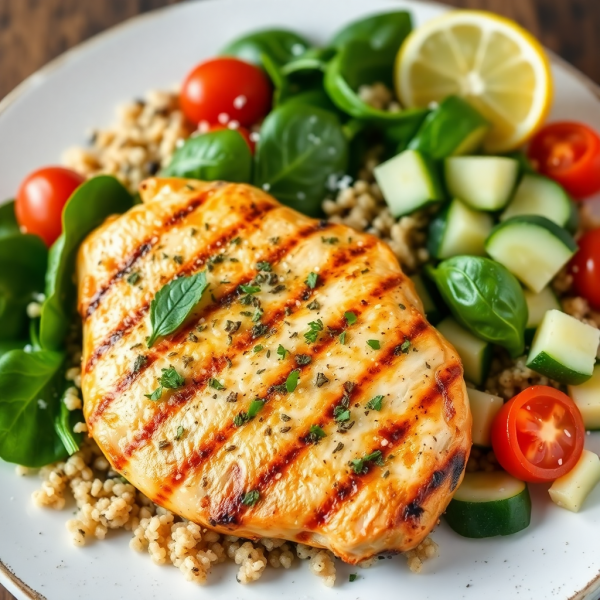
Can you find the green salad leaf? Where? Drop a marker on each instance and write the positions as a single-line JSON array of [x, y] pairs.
[[64, 422], [8, 220], [217, 155], [485, 298], [173, 303], [87, 208], [300, 148]]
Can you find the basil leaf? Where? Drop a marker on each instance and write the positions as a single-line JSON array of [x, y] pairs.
[[485, 298], [30, 388], [23, 260], [91, 203], [173, 303], [300, 148], [8, 220], [217, 155], [280, 45]]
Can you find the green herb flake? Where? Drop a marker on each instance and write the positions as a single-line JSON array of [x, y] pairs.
[[133, 278], [361, 465], [329, 240], [264, 265], [140, 362], [215, 384], [402, 307], [255, 407], [352, 577], [171, 379], [257, 316], [178, 259], [251, 498], [343, 337], [321, 380], [179, 434], [303, 359], [374, 344], [375, 403], [236, 241], [291, 383], [350, 317], [282, 352], [312, 280], [405, 346], [341, 413], [316, 434], [258, 348], [156, 395], [250, 289], [314, 305], [313, 333]]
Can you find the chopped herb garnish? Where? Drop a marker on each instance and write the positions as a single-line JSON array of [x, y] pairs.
[[133, 278], [343, 337], [402, 307], [264, 265], [258, 348], [303, 359], [277, 289], [375, 403], [156, 395], [313, 333], [232, 326], [314, 305], [285, 429], [285, 417], [140, 362], [179, 434], [251, 498], [178, 259], [215, 384], [255, 407], [316, 434], [235, 241], [321, 380], [259, 329], [257, 316], [274, 240], [386, 474], [232, 397], [171, 379], [339, 447], [246, 313], [291, 383], [282, 352], [360, 465], [311, 280], [405, 346], [352, 577], [350, 317], [329, 240], [250, 289], [341, 413], [374, 344]]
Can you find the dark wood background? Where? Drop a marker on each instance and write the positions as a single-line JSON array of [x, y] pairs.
[[34, 31]]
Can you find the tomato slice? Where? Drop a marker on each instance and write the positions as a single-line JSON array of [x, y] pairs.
[[538, 435], [585, 268], [569, 153]]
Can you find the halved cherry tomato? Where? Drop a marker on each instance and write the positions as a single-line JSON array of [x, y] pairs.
[[242, 131], [538, 435], [569, 153], [226, 89], [41, 199], [585, 268]]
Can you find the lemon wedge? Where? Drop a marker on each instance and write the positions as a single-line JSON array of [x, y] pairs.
[[490, 61]]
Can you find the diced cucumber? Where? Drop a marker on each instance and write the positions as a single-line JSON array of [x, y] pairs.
[[538, 305], [459, 229], [452, 129], [539, 195], [564, 348], [489, 504], [484, 407], [532, 248], [587, 398], [408, 181], [570, 490], [432, 312], [483, 182], [475, 354]]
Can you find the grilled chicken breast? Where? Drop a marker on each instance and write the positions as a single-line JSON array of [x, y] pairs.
[[360, 457]]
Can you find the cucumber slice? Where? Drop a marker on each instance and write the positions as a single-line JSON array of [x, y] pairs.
[[452, 129], [538, 195], [432, 312], [483, 182], [408, 181], [538, 305], [564, 348], [475, 354], [489, 504], [459, 229], [570, 490], [532, 248], [587, 398], [484, 407]]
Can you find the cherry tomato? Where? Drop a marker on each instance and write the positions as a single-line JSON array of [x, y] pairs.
[[538, 435], [569, 153], [242, 131], [585, 268], [41, 198], [226, 89]]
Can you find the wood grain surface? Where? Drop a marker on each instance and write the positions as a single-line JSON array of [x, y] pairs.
[[32, 32]]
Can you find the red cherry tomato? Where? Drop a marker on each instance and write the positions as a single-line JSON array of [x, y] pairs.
[[226, 89], [538, 435], [569, 153], [41, 198], [585, 268], [242, 131]]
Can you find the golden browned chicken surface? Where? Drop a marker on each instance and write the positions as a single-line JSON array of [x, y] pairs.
[[311, 399]]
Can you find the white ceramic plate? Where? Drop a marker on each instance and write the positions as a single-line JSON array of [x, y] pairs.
[[556, 557]]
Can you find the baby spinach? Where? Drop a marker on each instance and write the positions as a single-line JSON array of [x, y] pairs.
[[64, 422], [8, 220], [485, 298], [387, 30], [280, 45], [300, 148], [173, 303], [23, 260], [314, 59], [6, 347], [30, 387], [87, 208], [217, 155]]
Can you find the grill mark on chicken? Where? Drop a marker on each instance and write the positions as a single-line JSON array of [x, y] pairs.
[[395, 435], [223, 514], [244, 342], [145, 247], [131, 320]]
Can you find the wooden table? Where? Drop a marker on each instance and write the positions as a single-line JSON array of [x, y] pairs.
[[32, 33]]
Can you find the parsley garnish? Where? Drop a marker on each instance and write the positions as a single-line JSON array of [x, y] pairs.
[[350, 317], [375, 403], [251, 498], [155, 396], [291, 383], [374, 344], [216, 384], [140, 362], [314, 305], [232, 326], [405, 346], [179, 434], [321, 380], [303, 359], [256, 317], [343, 337], [311, 280], [171, 379], [313, 333], [259, 329], [352, 577], [282, 352], [258, 348], [360, 465], [250, 289], [264, 265], [133, 278], [341, 413], [329, 240], [316, 434]]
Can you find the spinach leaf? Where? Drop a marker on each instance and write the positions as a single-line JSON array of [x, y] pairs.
[[300, 148], [23, 260], [87, 208], [173, 303], [30, 385], [8, 220], [358, 63], [314, 59], [217, 155], [64, 422], [386, 30], [6, 347], [485, 298], [280, 45]]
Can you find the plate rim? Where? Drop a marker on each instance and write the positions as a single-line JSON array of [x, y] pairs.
[[8, 578]]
